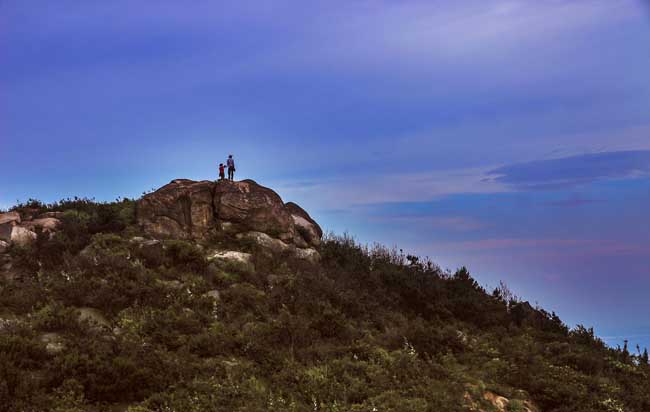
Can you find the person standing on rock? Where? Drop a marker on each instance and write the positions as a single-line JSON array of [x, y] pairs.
[[222, 174], [231, 167]]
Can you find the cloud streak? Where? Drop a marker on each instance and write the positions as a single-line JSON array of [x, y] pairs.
[[554, 174], [550, 248]]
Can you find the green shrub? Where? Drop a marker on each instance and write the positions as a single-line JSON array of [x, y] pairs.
[[185, 255], [516, 405]]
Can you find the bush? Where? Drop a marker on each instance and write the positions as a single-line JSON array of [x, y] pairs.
[[185, 255], [366, 328]]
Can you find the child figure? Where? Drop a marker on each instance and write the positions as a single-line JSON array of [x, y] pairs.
[[222, 172]]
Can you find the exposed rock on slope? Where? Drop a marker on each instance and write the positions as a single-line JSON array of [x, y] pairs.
[[181, 209], [22, 230], [186, 209]]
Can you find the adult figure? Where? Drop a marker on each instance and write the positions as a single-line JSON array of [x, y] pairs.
[[231, 167]]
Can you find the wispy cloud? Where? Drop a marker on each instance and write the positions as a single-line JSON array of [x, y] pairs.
[[574, 171], [389, 188], [553, 247]]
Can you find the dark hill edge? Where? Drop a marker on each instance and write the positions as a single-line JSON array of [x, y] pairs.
[[99, 314]]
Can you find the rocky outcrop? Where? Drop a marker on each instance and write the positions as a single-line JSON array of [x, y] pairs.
[[94, 318], [305, 225], [12, 218], [252, 207], [22, 230], [186, 209], [22, 236], [495, 402], [225, 259], [181, 209], [46, 224]]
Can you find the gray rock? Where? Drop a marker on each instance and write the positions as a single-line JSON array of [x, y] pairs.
[[266, 241], [3, 246], [230, 258], [309, 254], [214, 294], [307, 227], [93, 317], [54, 343]]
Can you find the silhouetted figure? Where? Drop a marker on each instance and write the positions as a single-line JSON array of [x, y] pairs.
[[231, 167], [222, 173]]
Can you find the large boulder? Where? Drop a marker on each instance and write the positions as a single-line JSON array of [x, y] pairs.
[[185, 209], [94, 318], [46, 224], [265, 241], [252, 207], [226, 259], [181, 209], [10, 217], [22, 236], [306, 227]]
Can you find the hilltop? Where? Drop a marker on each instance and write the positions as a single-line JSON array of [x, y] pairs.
[[219, 296]]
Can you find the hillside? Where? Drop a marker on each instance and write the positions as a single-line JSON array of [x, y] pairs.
[[207, 296]]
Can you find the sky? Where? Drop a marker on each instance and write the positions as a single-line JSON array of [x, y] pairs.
[[512, 137]]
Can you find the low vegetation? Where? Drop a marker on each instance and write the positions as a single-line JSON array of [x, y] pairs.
[[367, 329]]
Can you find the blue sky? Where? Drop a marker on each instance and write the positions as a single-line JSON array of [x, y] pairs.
[[509, 136]]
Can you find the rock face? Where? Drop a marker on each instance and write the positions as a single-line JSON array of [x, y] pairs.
[[305, 225], [47, 224], [181, 209], [252, 207], [10, 217], [22, 236], [22, 230], [185, 209]]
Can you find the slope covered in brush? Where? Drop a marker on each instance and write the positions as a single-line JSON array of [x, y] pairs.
[[98, 314]]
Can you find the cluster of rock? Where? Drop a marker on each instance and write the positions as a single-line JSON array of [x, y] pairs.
[[22, 230], [187, 209], [496, 402]]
